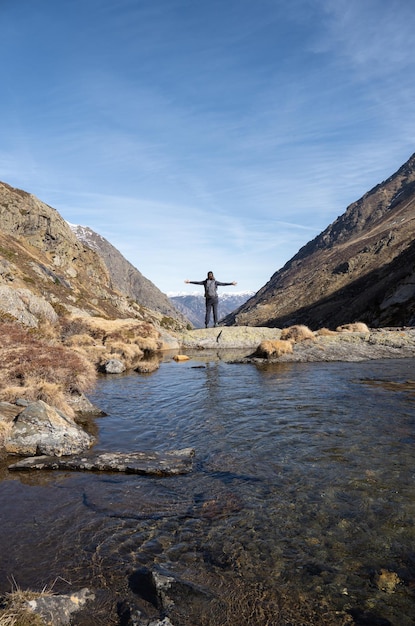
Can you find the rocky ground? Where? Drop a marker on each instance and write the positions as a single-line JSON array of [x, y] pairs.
[[388, 343], [35, 428]]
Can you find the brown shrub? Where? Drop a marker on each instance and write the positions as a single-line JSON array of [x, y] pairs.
[[79, 340], [130, 353], [129, 336], [122, 329], [297, 333], [148, 365], [274, 348], [356, 327], [48, 331], [53, 394], [325, 332]]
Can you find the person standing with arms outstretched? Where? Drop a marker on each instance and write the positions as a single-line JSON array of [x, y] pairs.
[[211, 295]]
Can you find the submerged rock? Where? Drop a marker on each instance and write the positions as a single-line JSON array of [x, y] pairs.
[[387, 581], [164, 590]]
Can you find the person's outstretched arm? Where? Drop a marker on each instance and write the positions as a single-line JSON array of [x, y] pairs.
[[195, 282], [226, 284]]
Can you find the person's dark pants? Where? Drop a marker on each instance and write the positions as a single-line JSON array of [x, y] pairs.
[[211, 303]]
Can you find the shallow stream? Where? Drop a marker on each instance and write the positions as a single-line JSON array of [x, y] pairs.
[[300, 506]]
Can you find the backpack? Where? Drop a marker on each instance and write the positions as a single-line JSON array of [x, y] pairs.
[[210, 289]]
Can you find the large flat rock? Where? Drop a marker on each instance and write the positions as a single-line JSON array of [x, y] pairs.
[[146, 463], [229, 337], [385, 343]]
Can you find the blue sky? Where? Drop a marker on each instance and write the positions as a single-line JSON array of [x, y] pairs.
[[202, 135]]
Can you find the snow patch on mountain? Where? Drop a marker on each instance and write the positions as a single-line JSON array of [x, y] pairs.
[[86, 235]]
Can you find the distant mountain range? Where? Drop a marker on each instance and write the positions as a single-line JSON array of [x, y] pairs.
[[192, 306]]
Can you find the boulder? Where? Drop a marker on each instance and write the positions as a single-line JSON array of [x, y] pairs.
[[41, 429], [25, 306], [114, 366], [165, 590], [9, 411], [83, 406], [168, 341], [57, 609]]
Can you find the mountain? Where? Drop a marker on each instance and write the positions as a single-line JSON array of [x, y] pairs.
[[192, 306], [46, 271], [361, 267], [124, 277]]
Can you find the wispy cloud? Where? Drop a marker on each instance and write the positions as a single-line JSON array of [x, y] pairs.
[[207, 135]]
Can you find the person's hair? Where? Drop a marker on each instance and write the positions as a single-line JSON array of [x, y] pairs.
[[210, 272]]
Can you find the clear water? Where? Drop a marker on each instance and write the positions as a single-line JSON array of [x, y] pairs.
[[300, 506]]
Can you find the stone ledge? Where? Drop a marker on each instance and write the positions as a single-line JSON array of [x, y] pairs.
[[168, 463], [232, 337], [388, 343]]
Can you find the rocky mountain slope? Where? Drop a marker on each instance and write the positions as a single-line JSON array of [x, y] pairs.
[[362, 267], [46, 271], [192, 306], [124, 277]]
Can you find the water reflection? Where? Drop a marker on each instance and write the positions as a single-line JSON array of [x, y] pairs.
[[301, 503]]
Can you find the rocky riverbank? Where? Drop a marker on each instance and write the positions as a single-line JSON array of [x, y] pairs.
[[35, 428], [343, 345]]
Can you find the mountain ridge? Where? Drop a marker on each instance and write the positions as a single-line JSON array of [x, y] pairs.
[[124, 276], [45, 270], [360, 267]]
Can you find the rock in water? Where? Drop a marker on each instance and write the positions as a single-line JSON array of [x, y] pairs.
[[152, 463], [41, 429]]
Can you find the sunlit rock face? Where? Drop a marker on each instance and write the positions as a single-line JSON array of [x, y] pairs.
[[69, 268]]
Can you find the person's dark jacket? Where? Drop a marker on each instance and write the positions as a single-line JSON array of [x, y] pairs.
[[211, 286]]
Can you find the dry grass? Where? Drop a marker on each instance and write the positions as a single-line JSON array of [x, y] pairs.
[[37, 369], [102, 330], [5, 428], [356, 327], [274, 348], [16, 611], [81, 340], [148, 365], [101, 339], [325, 332], [297, 333], [130, 353], [54, 361]]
